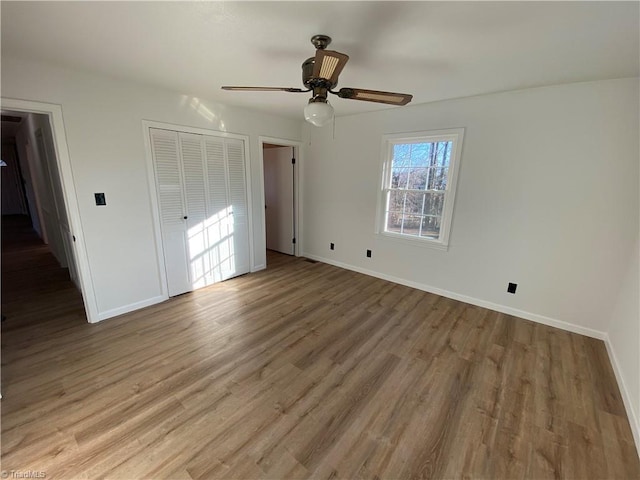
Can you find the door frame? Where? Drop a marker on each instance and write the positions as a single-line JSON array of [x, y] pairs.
[[153, 190], [297, 197], [65, 171]]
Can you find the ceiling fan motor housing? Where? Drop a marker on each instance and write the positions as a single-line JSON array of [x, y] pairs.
[[318, 85]]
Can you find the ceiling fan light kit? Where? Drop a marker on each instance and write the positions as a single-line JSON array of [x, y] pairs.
[[318, 113], [320, 76]]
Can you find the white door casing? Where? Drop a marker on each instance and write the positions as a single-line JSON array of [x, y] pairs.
[[298, 197]]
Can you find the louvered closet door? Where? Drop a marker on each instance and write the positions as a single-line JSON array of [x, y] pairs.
[[169, 183], [218, 208], [202, 194], [239, 214], [193, 168]]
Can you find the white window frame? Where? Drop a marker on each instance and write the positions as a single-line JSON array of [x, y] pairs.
[[455, 135]]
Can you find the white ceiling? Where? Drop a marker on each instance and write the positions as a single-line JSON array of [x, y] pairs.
[[433, 50]]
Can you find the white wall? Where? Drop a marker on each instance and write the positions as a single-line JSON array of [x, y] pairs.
[[103, 122], [545, 199], [624, 340]]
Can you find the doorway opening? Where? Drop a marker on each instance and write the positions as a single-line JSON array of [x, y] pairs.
[[42, 194], [280, 166], [36, 236]]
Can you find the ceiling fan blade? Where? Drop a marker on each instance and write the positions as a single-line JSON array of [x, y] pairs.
[[265, 89], [328, 65], [390, 98]]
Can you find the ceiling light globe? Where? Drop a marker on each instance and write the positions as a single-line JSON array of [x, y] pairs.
[[318, 113]]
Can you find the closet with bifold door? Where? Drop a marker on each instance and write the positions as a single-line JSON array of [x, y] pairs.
[[201, 184]]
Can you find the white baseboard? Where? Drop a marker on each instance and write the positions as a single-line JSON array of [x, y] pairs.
[[534, 317], [257, 268], [114, 312], [626, 397]]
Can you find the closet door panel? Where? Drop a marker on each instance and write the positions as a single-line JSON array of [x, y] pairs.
[[169, 184], [217, 206], [194, 173], [193, 168], [239, 215], [169, 181]]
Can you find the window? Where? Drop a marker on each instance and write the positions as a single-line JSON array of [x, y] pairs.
[[419, 176]]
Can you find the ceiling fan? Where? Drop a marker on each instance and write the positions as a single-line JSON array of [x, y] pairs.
[[320, 76]]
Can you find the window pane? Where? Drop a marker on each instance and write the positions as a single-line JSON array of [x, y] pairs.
[[401, 156], [420, 154], [413, 203], [433, 203], [417, 178], [396, 201], [430, 227], [411, 225], [437, 178], [399, 177], [442, 154]]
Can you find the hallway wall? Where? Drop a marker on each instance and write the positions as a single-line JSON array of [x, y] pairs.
[[38, 158]]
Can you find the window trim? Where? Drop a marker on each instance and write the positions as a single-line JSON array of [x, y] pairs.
[[388, 141]]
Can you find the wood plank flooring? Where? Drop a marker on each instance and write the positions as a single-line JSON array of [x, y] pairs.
[[301, 371]]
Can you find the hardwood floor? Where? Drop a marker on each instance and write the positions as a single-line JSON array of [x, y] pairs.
[[304, 370]]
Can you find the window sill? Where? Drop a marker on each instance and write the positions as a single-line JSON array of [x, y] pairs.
[[418, 242]]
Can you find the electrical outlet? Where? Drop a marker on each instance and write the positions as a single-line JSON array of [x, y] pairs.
[[332, 246], [368, 253], [511, 288]]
